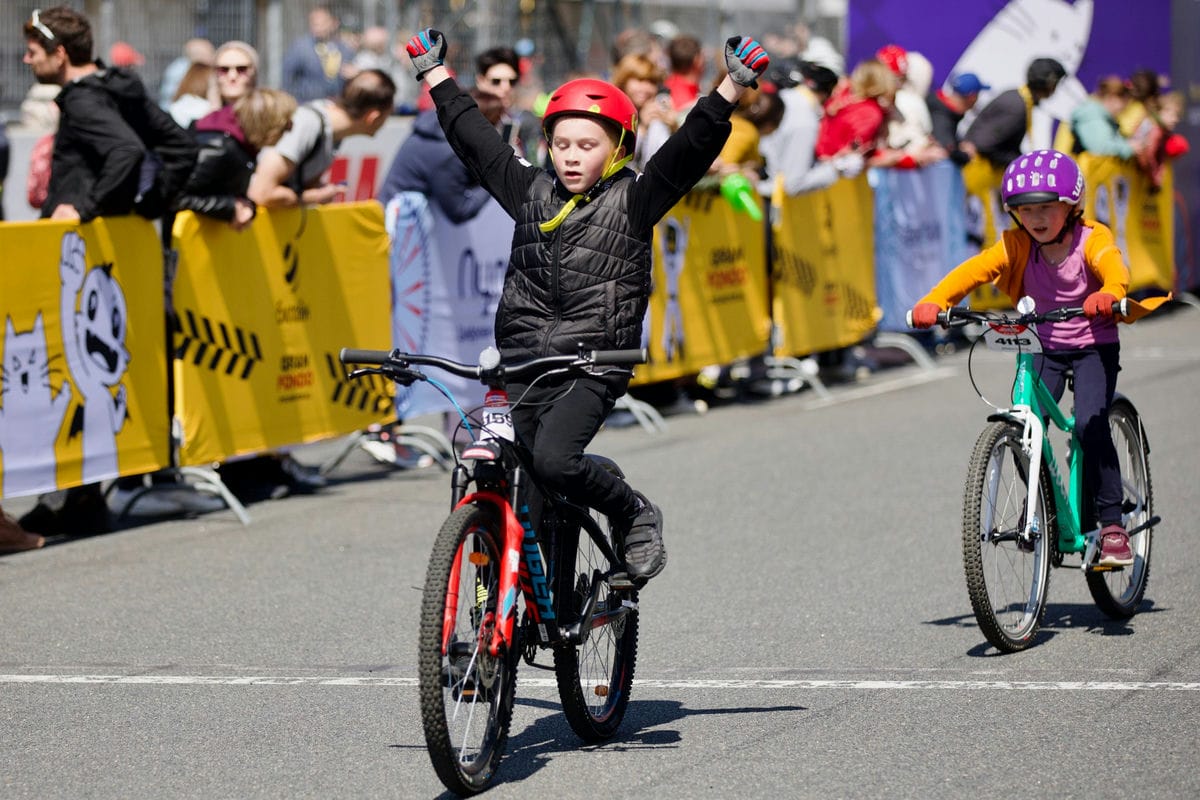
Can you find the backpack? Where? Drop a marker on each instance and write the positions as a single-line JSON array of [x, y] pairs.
[[170, 154]]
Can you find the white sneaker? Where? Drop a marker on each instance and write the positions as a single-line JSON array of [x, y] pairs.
[[396, 455]]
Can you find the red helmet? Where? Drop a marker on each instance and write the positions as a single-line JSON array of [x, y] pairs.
[[594, 98]]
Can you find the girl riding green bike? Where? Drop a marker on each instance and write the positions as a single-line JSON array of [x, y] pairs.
[[1060, 260]]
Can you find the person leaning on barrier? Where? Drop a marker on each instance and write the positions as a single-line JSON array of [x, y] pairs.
[[948, 106], [291, 172], [97, 155], [997, 132], [1094, 121], [581, 255], [230, 139]]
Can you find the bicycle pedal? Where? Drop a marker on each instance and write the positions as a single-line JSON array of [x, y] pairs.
[[620, 582]]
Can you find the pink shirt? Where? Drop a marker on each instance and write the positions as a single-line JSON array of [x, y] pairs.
[[1067, 285]]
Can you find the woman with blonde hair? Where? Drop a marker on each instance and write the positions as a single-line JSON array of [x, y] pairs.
[[641, 79], [856, 111], [229, 140]]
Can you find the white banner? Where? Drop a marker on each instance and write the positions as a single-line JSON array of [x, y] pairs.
[[446, 282]]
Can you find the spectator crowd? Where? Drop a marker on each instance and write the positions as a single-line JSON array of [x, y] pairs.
[[210, 139]]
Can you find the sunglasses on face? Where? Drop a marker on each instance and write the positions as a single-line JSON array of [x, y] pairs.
[[240, 69], [39, 26], [498, 81]]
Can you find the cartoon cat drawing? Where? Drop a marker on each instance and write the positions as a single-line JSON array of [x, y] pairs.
[[32, 414], [93, 320], [1022, 31]]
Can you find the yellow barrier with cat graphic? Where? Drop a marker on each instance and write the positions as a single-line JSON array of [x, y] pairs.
[[84, 378]]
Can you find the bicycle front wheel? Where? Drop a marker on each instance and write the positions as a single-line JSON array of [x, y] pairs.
[[1118, 593], [1007, 574], [466, 693], [595, 677]]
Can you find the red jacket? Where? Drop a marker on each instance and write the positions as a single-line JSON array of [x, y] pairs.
[[850, 122]]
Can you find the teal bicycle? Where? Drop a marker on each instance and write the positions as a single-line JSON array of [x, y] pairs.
[[1021, 515]]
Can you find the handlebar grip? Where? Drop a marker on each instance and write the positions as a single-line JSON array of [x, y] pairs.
[[908, 318], [1122, 307], [614, 357], [351, 355]]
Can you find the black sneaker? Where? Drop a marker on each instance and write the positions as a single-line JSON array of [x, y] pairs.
[[645, 555]]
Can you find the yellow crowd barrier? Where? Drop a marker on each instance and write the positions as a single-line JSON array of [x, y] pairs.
[[84, 351], [709, 289], [823, 274], [261, 316]]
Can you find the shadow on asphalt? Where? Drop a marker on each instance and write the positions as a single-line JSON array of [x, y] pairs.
[[1060, 618]]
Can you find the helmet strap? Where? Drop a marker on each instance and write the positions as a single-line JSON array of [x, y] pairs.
[[615, 165]]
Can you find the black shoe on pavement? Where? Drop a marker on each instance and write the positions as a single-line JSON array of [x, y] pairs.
[[645, 554]]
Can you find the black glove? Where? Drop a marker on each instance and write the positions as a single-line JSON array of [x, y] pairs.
[[746, 60], [427, 50]]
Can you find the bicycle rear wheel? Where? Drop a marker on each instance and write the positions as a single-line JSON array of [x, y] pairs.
[[1118, 593], [595, 677], [1007, 575], [466, 693]]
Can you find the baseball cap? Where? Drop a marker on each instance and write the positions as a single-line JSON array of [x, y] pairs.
[[968, 83], [122, 54]]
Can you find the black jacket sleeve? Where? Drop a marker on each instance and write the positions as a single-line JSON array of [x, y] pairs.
[[683, 159], [489, 158], [220, 177]]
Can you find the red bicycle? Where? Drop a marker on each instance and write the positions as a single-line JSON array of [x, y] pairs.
[[501, 585]]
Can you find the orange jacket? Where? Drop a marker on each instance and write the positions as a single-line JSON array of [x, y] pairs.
[[1004, 265]]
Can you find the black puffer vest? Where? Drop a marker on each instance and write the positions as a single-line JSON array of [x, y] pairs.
[[587, 282]]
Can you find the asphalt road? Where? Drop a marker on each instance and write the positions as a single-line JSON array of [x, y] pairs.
[[811, 636]]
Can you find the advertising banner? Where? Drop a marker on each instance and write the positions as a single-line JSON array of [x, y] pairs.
[[920, 235], [260, 318], [446, 281], [83, 386]]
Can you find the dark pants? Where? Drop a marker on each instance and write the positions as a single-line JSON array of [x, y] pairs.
[[556, 421], [1095, 383]]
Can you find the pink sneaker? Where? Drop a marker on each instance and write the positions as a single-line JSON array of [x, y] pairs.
[[1114, 547]]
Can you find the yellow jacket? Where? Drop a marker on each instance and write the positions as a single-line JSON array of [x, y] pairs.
[[1004, 265]]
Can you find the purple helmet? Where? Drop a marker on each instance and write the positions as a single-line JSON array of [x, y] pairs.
[[1042, 176]]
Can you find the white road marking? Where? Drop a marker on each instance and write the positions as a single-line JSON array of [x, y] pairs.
[[649, 683]]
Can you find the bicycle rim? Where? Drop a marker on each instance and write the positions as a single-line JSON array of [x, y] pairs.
[[595, 677], [1007, 577], [1118, 593], [466, 693]]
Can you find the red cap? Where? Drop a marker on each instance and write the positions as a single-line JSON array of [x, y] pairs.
[[894, 58]]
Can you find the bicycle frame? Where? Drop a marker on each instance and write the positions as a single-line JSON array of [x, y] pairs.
[[525, 569], [1032, 402]]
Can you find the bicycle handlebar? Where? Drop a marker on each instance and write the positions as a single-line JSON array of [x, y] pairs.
[[956, 317], [402, 362]]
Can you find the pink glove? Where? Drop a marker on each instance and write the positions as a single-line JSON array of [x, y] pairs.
[[924, 315], [1099, 304]]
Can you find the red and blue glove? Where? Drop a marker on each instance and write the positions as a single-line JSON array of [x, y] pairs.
[[746, 60], [925, 315], [427, 50], [1099, 304]]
